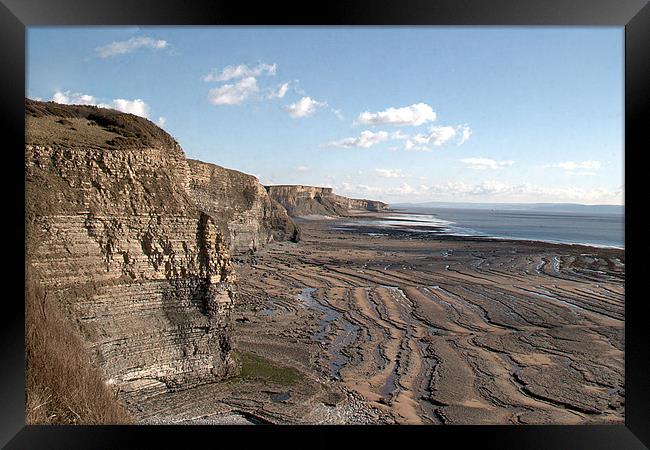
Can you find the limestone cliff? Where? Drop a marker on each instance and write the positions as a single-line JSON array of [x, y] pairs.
[[141, 266], [240, 205], [307, 200]]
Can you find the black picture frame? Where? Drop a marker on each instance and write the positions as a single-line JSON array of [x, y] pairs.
[[16, 15]]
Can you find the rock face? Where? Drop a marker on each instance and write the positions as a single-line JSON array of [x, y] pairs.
[[141, 266], [241, 205], [308, 200]]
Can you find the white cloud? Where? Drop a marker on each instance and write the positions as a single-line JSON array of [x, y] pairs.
[[572, 168], [136, 106], [304, 107], [161, 121], [240, 71], [465, 133], [73, 98], [406, 189], [390, 173], [485, 163], [280, 91], [233, 94], [366, 139], [398, 135], [489, 191], [338, 114], [244, 85], [364, 190], [571, 165], [581, 174], [129, 46], [414, 115], [525, 192], [302, 168], [438, 136]]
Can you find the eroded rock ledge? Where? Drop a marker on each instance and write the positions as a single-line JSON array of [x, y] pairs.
[[134, 241], [311, 200]]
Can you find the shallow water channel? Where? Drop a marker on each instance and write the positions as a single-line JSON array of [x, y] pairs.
[[335, 331]]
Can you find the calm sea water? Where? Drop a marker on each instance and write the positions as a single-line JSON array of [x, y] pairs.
[[606, 230]]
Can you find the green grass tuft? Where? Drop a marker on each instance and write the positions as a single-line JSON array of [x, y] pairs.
[[256, 368]]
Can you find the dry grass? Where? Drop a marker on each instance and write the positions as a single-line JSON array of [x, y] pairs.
[[62, 385], [53, 123]]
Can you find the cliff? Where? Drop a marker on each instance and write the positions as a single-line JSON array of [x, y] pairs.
[[61, 386], [239, 204], [307, 200], [126, 238]]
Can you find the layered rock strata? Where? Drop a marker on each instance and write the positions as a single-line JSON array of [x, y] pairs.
[[310, 200], [241, 205], [141, 267]]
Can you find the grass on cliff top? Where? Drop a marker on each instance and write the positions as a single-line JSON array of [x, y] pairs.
[[63, 387], [256, 368], [52, 123]]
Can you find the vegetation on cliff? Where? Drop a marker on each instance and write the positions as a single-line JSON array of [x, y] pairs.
[[133, 255], [63, 387], [255, 367], [91, 125]]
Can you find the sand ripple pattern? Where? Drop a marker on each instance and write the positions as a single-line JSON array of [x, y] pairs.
[[448, 331]]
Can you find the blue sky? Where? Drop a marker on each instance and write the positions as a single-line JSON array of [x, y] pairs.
[[494, 114]]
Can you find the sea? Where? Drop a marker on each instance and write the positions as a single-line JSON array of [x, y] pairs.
[[593, 229]]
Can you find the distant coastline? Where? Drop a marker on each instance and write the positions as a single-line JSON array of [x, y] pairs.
[[602, 230], [542, 207]]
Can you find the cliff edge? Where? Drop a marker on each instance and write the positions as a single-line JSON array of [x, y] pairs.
[[240, 205], [131, 244], [301, 200]]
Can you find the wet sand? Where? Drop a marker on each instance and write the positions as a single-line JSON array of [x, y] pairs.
[[416, 328]]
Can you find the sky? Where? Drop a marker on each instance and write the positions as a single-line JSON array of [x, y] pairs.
[[398, 114]]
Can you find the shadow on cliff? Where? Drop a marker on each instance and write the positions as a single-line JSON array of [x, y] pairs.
[[191, 308]]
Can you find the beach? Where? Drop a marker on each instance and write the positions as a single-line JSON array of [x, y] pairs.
[[381, 325]]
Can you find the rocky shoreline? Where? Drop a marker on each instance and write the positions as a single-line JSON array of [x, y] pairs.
[[442, 330], [200, 300]]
